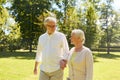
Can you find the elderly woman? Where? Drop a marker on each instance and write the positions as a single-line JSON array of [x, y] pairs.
[[80, 60]]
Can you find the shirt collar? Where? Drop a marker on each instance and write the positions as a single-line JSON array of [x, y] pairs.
[[51, 34]]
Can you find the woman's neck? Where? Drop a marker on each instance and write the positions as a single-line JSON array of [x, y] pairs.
[[78, 47]]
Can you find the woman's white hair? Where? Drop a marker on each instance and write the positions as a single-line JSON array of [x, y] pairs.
[[79, 33], [50, 19]]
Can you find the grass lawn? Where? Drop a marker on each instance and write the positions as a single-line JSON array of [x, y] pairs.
[[19, 66], [107, 66]]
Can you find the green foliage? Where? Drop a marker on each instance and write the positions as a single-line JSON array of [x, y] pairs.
[[3, 18], [70, 17], [3, 15], [30, 14], [110, 19], [114, 31], [26, 14], [2, 1], [11, 35], [14, 32], [92, 31], [113, 35]]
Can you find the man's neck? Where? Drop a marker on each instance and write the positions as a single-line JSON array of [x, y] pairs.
[[50, 33]]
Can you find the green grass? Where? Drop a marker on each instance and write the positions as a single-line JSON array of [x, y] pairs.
[[19, 66], [107, 66]]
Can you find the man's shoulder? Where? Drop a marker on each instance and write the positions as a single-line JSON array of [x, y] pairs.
[[60, 33], [42, 35]]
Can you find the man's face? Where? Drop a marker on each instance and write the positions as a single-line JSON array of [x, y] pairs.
[[50, 26]]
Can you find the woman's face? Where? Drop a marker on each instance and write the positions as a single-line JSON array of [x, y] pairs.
[[75, 39], [51, 26]]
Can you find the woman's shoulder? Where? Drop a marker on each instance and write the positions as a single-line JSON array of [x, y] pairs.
[[87, 49]]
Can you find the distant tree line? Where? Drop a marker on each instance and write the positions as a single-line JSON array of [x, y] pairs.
[[96, 18]]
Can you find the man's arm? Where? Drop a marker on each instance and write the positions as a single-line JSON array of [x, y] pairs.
[[37, 58], [63, 62], [65, 49], [36, 67]]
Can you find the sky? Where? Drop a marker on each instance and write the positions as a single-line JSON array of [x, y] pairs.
[[116, 5]]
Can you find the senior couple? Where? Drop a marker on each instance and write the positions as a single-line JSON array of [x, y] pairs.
[[53, 54]]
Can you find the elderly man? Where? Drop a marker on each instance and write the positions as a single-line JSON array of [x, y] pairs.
[[52, 52]]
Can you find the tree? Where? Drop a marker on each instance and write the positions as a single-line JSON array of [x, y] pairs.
[[3, 13], [26, 14], [3, 17], [115, 30], [67, 15], [72, 17], [106, 14], [92, 30], [14, 37]]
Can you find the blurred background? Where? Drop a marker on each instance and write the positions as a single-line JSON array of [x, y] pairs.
[[21, 22]]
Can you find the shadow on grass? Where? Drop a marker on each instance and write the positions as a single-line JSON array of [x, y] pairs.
[[109, 56], [113, 55], [18, 55], [95, 59]]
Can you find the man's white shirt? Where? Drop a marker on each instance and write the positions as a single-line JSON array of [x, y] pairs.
[[50, 50]]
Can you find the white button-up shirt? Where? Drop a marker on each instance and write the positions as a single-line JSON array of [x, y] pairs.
[[50, 50]]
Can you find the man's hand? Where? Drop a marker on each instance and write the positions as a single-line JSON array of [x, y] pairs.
[[63, 64], [35, 71], [36, 68]]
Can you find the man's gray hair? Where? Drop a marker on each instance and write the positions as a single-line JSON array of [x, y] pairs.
[[50, 19], [79, 33]]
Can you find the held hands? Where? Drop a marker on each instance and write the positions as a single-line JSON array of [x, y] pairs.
[[63, 64]]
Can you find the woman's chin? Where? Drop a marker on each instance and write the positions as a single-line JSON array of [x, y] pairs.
[[72, 43]]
